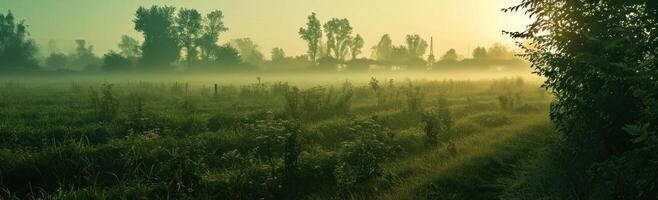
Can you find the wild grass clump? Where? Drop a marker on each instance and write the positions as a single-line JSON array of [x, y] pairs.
[[491, 120]]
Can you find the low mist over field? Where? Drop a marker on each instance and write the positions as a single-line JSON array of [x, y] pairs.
[[341, 99]]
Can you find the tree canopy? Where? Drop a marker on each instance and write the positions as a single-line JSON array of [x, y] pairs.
[[312, 34], [599, 58], [160, 47], [339, 36], [16, 49]]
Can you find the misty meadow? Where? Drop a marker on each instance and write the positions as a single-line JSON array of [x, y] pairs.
[[524, 99]]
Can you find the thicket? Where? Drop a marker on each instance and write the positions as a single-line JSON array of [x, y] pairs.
[[599, 59]]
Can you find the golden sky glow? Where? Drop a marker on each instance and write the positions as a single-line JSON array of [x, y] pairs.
[[459, 24]]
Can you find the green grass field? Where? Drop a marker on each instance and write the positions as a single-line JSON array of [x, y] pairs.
[[127, 139]]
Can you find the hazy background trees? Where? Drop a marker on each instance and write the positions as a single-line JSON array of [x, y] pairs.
[[384, 49], [56, 61], [249, 51], [184, 39], [83, 58], [129, 47], [416, 46]]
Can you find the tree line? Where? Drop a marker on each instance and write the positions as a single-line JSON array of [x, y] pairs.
[[187, 39]]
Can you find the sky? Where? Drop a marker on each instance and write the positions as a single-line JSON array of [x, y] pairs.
[[459, 24]]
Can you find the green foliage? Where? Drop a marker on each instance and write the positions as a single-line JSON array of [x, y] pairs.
[[83, 57], [106, 106], [213, 25], [160, 47], [248, 50], [384, 49], [438, 123], [318, 102], [56, 61], [312, 34], [225, 56], [491, 120], [598, 58], [414, 99], [113, 62], [16, 49], [339, 37], [172, 140], [129, 47], [360, 159], [416, 45], [355, 46], [189, 29]]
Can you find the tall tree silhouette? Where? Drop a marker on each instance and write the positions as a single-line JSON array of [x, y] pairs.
[[213, 26], [84, 57], [416, 45], [480, 53], [160, 47], [189, 28], [339, 35], [248, 51], [356, 45], [384, 49], [312, 34], [225, 56], [129, 47], [450, 56], [16, 50], [278, 55]]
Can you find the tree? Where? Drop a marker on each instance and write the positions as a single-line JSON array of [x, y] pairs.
[[16, 50], [213, 25], [384, 49], [400, 54], [278, 55], [160, 47], [113, 61], [416, 46], [188, 27], [84, 57], [499, 52], [225, 56], [339, 35], [356, 45], [600, 60], [323, 51], [52, 47], [312, 34], [56, 61], [450, 56], [480, 53], [248, 51], [129, 47]]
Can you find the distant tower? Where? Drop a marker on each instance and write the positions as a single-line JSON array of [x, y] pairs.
[[430, 59]]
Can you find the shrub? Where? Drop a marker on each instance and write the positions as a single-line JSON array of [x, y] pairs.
[[223, 121], [360, 159], [491, 120]]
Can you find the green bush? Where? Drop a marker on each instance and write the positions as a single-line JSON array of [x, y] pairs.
[[491, 120]]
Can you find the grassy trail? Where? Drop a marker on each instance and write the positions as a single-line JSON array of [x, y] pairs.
[[481, 168]]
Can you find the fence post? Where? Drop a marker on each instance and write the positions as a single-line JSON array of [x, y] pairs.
[[215, 89]]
